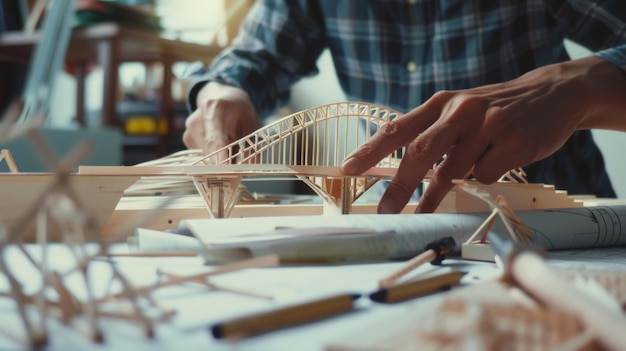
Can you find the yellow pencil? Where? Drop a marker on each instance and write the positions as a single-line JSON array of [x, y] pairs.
[[418, 287], [284, 317]]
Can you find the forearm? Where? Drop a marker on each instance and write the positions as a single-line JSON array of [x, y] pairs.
[[607, 81], [254, 79]]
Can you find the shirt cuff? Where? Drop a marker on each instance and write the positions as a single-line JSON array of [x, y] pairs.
[[616, 56]]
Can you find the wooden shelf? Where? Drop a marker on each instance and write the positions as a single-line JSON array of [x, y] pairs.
[[109, 45]]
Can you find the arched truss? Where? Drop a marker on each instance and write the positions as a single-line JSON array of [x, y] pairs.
[[310, 145]]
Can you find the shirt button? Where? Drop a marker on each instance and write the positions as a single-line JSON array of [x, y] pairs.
[[411, 66]]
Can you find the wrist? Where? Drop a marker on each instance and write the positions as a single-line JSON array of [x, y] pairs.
[[606, 92], [217, 91]]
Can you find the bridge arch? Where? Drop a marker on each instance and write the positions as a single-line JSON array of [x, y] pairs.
[[312, 144]]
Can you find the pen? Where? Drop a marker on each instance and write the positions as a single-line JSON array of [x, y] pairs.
[[284, 317], [418, 287]]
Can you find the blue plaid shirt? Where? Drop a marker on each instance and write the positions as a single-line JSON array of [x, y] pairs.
[[398, 53]]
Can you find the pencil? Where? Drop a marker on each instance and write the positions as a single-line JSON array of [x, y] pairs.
[[284, 317], [417, 288]]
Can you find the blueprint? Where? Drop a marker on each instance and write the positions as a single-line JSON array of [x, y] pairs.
[[361, 237]]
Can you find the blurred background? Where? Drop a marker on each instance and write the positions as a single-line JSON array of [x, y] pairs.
[[146, 127]]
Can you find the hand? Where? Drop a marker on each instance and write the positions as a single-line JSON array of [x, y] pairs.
[[224, 114], [486, 131]]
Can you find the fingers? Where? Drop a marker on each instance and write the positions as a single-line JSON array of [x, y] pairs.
[[496, 161], [194, 133], [457, 133], [218, 123], [204, 131], [382, 144], [458, 164], [419, 157], [215, 137], [461, 159], [392, 136]]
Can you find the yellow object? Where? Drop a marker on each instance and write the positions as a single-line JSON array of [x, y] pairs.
[[162, 126], [140, 125]]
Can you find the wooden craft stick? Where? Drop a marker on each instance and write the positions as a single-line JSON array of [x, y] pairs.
[[204, 281], [412, 264], [9, 160], [284, 317], [417, 288], [154, 254], [239, 291], [257, 262], [434, 252]]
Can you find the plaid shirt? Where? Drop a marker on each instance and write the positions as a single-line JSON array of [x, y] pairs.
[[398, 53], [616, 56]]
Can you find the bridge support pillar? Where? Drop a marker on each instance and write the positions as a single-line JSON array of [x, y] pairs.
[[219, 193], [341, 196]]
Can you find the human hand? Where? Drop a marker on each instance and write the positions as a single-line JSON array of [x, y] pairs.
[[487, 131], [224, 114]]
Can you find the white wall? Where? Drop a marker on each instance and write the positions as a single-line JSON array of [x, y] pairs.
[[318, 90], [324, 88], [613, 145]]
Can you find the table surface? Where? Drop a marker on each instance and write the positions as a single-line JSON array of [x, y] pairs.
[[198, 307]]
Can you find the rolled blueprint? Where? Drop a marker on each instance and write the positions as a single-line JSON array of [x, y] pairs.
[[326, 238]]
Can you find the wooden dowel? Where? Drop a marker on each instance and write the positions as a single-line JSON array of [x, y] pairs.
[[412, 264], [265, 261], [434, 252], [203, 281], [153, 254]]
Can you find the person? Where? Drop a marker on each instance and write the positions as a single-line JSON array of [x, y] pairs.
[[488, 83]]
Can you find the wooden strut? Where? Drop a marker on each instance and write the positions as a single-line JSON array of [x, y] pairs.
[[6, 155], [516, 229], [59, 203]]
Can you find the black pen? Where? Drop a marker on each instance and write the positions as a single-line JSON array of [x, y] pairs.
[[418, 287]]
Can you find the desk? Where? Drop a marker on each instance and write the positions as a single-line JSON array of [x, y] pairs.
[[198, 307], [109, 45]]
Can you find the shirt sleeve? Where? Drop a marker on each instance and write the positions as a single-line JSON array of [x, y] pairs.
[[278, 43], [616, 56], [595, 24]]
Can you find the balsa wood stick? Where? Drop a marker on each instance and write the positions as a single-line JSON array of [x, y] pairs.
[[202, 280], [266, 261]]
